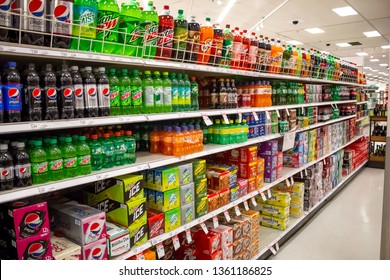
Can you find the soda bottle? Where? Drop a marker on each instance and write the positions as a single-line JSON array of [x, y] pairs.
[[253, 50], [69, 155], [55, 161], [85, 14], [96, 153], [230, 98], [294, 57], [227, 47], [267, 55], [119, 150], [175, 93], [90, 94], [222, 95], [12, 146], [237, 49], [12, 92], [6, 169], [66, 96], [298, 62], [32, 101], [136, 93], [107, 28], [216, 48], [206, 41], [22, 166], [304, 63], [177, 142], [60, 16], [130, 145], [167, 149], [125, 92], [149, 26], [187, 100], [194, 95], [108, 151], [103, 92], [5, 21], [182, 93], [214, 95], [167, 89], [129, 28], [158, 93], [246, 42], [78, 91], [148, 93], [83, 152], [115, 98], [39, 165], [145, 139], [155, 140], [180, 36], [193, 41], [287, 53], [165, 35], [49, 92]]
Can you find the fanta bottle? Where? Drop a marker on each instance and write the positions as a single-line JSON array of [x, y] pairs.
[[177, 142], [168, 144], [276, 54], [199, 133], [237, 49], [206, 41], [186, 140]]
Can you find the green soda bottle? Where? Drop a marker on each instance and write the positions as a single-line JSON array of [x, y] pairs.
[[149, 27], [130, 144], [158, 93], [136, 93], [182, 93], [187, 102], [69, 154], [224, 131], [217, 131], [194, 95], [96, 153], [246, 131], [175, 93], [107, 28], [85, 14], [83, 156], [227, 46], [148, 94], [180, 36], [39, 165], [119, 149], [167, 89], [125, 92], [108, 151], [55, 162], [115, 99], [129, 27]]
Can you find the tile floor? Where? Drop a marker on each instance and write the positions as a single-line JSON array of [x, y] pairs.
[[348, 227]]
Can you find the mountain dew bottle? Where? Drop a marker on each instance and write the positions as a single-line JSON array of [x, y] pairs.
[[158, 92], [129, 28], [149, 25], [148, 94], [85, 14], [136, 93], [115, 98], [125, 92], [167, 88]]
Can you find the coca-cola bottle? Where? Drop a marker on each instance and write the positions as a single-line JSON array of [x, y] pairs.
[[165, 35]]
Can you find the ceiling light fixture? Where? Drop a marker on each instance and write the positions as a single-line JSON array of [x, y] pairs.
[[361, 53], [373, 70], [383, 55], [369, 74], [219, 3], [345, 11], [386, 47], [343, 45], [369, 68], [294, 42], [226, 10], [267, 16], [314, 30], [374, 60], [370, 34], [383, 64]]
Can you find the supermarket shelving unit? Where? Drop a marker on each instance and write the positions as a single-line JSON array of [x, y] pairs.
[[376, 161]]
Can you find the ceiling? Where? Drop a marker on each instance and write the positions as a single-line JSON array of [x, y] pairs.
[[372, 15]]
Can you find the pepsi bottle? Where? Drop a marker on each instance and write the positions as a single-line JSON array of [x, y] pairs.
[[78, 91], [1, 103], [33, 19], [60, 15], [103, 88], [6, 169], [5, 20], [49, 92], [22, 166], [32, 97], [65, 93], [90, 94], [12, 90]]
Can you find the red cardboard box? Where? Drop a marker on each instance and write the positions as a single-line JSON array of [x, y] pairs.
[[155, 223]]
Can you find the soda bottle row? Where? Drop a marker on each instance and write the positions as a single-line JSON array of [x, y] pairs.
[[286, 93], [224, 134]]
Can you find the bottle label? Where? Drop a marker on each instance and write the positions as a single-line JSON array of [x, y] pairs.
[[115, 99], [136, 95], [6, 173], [125, 93], [223, 98], [55, 164], [193, 41], [149, 96], [67, 96], [83, 160], [150, 34], [96, 151], [158, 95], [34, 97], [91, 100], [39, 167], [182, 96], [62, 17], [104, 95], [206, 46], [130, 29], [175, 96], [252, 54], [167, 95], [78, 96], [217, 46], [36, 15], [23, 171], [5, 16], [188, 96], [237, 49], [70, 162], [12, 97], [165, 37], [107, 26], [194, 95], [85, 19], [227, 49], [180, 38]]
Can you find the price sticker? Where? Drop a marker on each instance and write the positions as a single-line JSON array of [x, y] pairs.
[[246, 206], [289, 140], [140, 257], [227, 216], [253, 200], [239, 117], [207, 120], [305, 172], [34, 126], [188, 235], [288, 112], [269, 193], [263, 196], [255, 115], [225, 118], [204, 227], [301, 174], [215, 222], [267, 114], [41, 189], [237, 210], [176, 242], [272, 250], [277, 112], [160, 250], [287, 182], [292, 180], [277, 246]]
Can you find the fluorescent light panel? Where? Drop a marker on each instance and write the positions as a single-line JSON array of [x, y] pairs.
[[383, 64], [373, 70], [314, 30], [361, 53], [370, 34], [226, 10], [345, 11], [369, 74], [374, 60], [386, 47], [293, 42], [343, 45]]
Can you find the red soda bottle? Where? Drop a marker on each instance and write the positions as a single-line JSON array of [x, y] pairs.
[[165, 35], [253, 50], [237, 48], [216, 48], [245, 50]]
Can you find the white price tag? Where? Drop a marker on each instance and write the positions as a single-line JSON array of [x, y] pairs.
[[34, 126], [239, 117], [225, 118], [303, 111], [292, 180], [140, 257], [267, 114], [277, 112], [207, 120], [227, 216], [176, 242], [160, 250], [41, 189], [287, 182], [289, 140], [188, 235], [263, 196], [246, 206], [255, 115], [272, 250], [288, 112], [277, 246], [253, 200], [305, 172], [237, 210], [269, 193], [215, 222], [301, 174], [205, 229]]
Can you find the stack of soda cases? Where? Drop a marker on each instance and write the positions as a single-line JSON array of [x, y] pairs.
[[25, 231]]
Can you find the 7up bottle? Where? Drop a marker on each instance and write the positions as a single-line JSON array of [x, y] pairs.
[[149, 25], [107, 27], [84, 27], [129, 28]]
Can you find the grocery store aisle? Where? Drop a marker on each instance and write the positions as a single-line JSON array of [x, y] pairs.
[[347, 228]]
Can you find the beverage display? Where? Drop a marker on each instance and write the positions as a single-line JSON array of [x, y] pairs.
[[193, 41], [180, 36], [206, 41], [85, 15], [149, 29], [129, 28], [165, 35]]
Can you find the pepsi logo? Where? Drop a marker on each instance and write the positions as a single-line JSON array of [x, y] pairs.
[[33, 220], [61, 13], [106, 91], [92, 91], [36, 93], [51, 93], [5, 173], [5, 5], [78, 92], [13, 93], [97, 253], [36, 250], [36, 8], [96, 228], [22, 170], [68, 93]]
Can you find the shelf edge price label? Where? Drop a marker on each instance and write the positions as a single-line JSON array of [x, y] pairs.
[[225, 118], [267, 114], [239, 117], [246, 206], [269, 193], [292, 180], [207, 120], [204, 227], [188, 235], [215, 222], [253, 200], [263, 196], [140, 257], [255, 116], [227, 216], [287, 182], [237, 210], [287, 112], [272, 250], [160, 250], [176, 242], [277, 112]]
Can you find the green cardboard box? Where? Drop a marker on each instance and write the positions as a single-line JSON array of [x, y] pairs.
[[172, 219], [164, 179], [165, 201], [200, 188], [199, 168], [201, 206]]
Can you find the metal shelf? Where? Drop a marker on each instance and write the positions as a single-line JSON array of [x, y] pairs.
[[362, 102], [362, 118]]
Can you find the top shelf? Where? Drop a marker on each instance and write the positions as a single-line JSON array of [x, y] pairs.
[[48, 53]]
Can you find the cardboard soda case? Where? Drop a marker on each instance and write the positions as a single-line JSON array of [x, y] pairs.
[[37, 247], [63, 248], [118, 240], [96, 250]]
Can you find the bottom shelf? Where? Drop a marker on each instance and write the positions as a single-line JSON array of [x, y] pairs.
[[269, 237]]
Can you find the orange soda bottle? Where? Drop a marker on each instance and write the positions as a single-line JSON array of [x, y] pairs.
[[259, 94], [193, 139], [252, 93], [154, 140], [168, 144], [186, 140], [177, 142], [206, 41], [199, 133]]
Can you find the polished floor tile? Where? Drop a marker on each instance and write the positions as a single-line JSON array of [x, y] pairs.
[[348, 227]]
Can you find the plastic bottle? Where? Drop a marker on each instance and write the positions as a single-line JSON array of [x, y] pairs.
[[12, 92], [32, 97], [165, 35], [103, 92], [78, 90], [96, 153], [168, 144], [136, 93], [65, 93], [237, 49], [129, 28], [180, 36], [199, 135], [69, 155], [154, 140], [206, 41], [55, 161], [267, 56], [175, 93], [119, 150], [115, 98], [148, 93], [287, 53], [125, 93], [145, 139], [194, 94], [130, 145], [194, 140], [22, 166], [227, 46], [222, 95], [49, 92], [83, 156], [217, 131], [216, 48], [85, 14], [187, 100], [108, 151], [304, 62], [298, 62], [149, 27], [6, 169], [253, 51], [193, 43], [158, 93], [182, 93], [167, 93], [90, 94], [177, 142], [39, 165], [246, 43]]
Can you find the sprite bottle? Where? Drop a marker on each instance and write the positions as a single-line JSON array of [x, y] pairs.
[[182, 93], [148, 93], [175, 93], [158, 92], [167, 89]]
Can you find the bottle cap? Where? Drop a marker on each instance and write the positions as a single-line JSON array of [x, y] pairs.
[[166, 7], [208, 19], [94, 137], [21, 145], [82, 138], [88, 68], [135, 71], [74, 68], [68, 140], [3, 147], [106, 135], [157, 73], [128, 132], [147, 72], [117, 134], [102, 69], [180, 12], [13, 65]]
